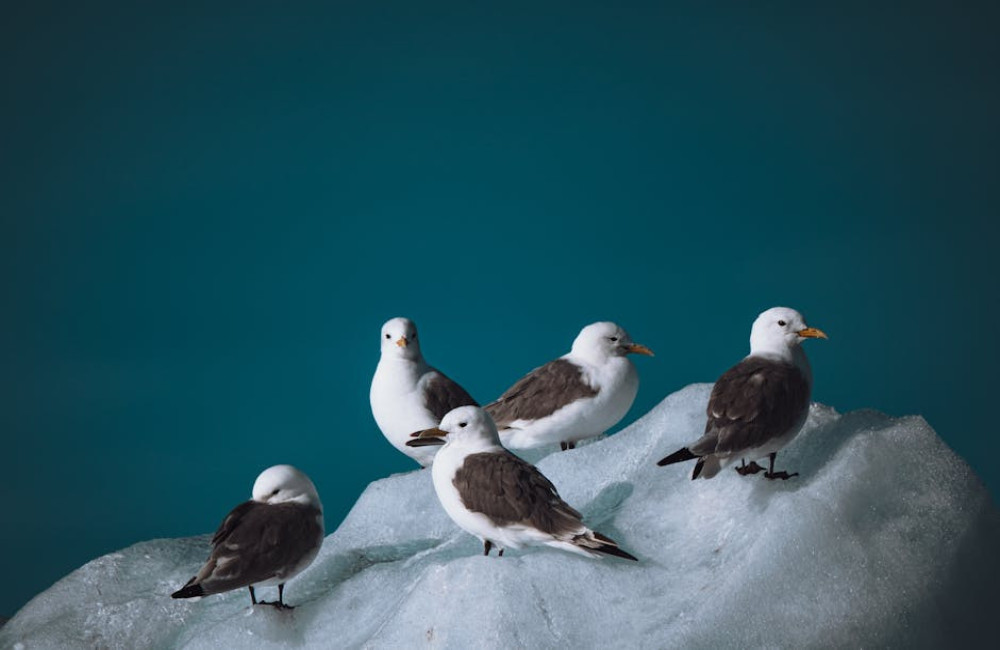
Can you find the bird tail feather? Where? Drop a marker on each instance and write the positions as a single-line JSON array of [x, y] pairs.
[[678, 456], [595, 541], [189, 590]]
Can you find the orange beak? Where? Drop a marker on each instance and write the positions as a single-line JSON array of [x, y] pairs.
[[635, 348], [401, 342], [812, 333]]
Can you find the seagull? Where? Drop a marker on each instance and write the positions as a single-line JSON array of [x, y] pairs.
[[407, 395], [265, 541], [500, 498], [577, 396], [758, 405]]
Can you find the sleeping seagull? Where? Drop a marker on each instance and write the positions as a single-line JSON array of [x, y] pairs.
[[758, 405], [498, 497], [265, 541], [579, 395], [407, 395]]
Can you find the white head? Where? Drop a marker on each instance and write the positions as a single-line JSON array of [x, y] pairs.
[[601, 341], [466, 425], [399, 339], [780, 330], [285, 484]]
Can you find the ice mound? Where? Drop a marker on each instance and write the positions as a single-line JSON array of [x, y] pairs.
[[885, 538]]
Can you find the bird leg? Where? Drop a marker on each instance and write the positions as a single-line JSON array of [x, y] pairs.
[[745, 469], [567, 445], [281, 596], [253, 596], [771, 474], [488, 546], [277, 604]]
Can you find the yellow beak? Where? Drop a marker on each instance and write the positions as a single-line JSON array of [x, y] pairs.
[[401, 342], [812, 333], [635, 348]]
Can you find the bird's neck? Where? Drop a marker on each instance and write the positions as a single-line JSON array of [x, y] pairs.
[[794, 355], [476, 445], [413, 367], [307, 500], [586, 357]]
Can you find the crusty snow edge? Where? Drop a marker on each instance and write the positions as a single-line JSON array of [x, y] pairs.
[[885, 538]]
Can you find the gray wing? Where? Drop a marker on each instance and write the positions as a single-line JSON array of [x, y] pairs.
[[256, 542], [510, 490], [441, 395], [752, 402], [540, 393]]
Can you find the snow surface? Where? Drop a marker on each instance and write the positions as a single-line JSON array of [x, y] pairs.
[[885, 539]]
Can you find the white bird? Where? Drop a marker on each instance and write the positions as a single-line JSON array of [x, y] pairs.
[[500, 498], [577, 396], [265, 541], [760, 404], [407, 395]]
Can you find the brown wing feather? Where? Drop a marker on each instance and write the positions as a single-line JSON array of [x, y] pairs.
[[441, 395], [540, 393], [752, 402], [232, 520], [255, 542], [510, 490]]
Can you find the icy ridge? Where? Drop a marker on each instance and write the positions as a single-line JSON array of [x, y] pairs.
[[886, 538]]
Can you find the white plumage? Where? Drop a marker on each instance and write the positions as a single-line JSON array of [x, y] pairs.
[[577, 396], [500, 498], [407, 394]]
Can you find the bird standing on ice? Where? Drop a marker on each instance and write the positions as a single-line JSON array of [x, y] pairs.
[[407, 395], [265, 541], [761, 403], [577, 396], [498, 497]]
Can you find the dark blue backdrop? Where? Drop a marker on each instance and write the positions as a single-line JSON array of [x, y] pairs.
[[208, 212]]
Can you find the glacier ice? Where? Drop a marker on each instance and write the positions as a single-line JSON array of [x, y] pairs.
[[885, 538]]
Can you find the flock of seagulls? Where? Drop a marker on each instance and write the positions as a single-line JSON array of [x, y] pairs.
[[755, 409]]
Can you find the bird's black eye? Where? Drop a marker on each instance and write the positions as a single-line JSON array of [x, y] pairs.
[[781, 323], [276, 490], [613, 339], [388, 336], [462, 424]]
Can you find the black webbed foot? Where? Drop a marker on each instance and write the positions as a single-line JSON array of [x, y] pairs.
[[784, 476], [275, 604], [752, 468], [770, 474]]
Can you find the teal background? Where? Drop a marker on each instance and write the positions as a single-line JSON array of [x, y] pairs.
[[208, 211]]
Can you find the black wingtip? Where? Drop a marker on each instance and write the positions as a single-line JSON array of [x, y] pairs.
[[700, 465], [610, 549], [678, 456], [188, 591]]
